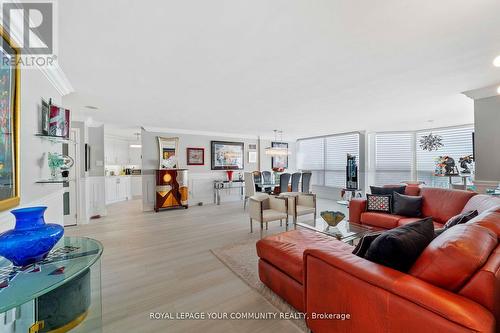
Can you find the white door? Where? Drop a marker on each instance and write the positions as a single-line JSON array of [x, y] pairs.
[[70, 195]]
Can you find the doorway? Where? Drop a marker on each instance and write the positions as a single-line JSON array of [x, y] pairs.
[[70, 195]]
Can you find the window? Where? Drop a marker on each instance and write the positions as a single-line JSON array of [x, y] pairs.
[[457, 142], [326, 157], [336, 150], [393, 158]]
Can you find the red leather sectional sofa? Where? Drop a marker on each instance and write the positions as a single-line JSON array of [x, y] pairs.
[[453, 287]]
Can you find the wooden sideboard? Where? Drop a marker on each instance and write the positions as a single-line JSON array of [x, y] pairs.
[[171, 189]]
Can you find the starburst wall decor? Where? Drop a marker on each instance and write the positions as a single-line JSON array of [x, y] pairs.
[[431, 142]]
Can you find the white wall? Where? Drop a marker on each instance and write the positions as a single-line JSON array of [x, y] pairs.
[[487, 139], [34, 86], [200, 177]]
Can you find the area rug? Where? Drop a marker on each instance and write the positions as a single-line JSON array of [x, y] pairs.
[[241, 259]]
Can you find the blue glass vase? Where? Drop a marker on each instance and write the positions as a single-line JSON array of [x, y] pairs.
[[31, 239]]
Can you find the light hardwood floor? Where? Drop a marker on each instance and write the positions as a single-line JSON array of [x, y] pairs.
[[160, 262]]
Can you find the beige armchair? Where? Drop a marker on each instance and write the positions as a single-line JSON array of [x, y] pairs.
[[265, 208], [300, 204]]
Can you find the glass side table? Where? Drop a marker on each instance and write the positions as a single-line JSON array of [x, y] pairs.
[[61, 293]]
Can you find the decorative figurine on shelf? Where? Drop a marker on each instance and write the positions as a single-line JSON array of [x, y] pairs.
[[445, 165], [59, 163], [229, 175], [31, 239], [464, 163]]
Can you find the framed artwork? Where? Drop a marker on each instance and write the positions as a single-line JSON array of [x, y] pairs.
[[9, 124], [252, 157], [227, 155], [168, 152], [58, 121], [195, 156], [279, 161]]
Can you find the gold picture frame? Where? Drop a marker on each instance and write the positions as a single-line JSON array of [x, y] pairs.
[[15, 123]]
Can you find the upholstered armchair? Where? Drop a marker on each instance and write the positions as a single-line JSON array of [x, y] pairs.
[[300, 204], [265, 208]]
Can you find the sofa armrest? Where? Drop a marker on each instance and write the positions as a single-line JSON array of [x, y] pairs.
[[386, 293], [356, 207]]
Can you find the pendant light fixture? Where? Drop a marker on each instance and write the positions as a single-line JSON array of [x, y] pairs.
[[277, 151], [138, 144]]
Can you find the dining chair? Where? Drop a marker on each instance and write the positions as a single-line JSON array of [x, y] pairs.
[[249, 187], [284, 180], [295, 181], [306, 182], [257, 177], [266, 179]]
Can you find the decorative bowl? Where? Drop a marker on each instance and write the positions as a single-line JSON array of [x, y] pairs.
[[332, 217]]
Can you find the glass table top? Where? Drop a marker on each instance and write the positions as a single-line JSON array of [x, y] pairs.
[[68, 258], [344, 231]]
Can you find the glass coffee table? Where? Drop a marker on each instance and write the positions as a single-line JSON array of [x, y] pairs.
[[345, 231]]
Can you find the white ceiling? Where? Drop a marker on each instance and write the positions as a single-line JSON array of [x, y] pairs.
[[307, 67]]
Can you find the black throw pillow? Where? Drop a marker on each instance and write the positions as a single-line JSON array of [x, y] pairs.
[[388, 190], [400, 247], [365, 242], [407, 205], [378, 203], [461, 218]]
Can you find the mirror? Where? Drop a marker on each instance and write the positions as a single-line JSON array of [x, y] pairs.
[[168, 152]]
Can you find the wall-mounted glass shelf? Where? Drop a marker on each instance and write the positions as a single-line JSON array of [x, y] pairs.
[[53, 181], [54, 139]]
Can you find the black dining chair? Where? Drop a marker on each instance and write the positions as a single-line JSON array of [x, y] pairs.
[[306, 182], [257, 178], [295, 181], [266, 181], [284, 180]]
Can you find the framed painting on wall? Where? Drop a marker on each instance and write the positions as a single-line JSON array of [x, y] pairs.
[[9, 124], [279, 161], [252, 157], [227, 155], [195, 156]]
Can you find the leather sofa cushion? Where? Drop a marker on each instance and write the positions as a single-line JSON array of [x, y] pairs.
[[406, 220], [453, 257], [481, 203], [442, 204], [488, 219], [381, 220], [285, 250]]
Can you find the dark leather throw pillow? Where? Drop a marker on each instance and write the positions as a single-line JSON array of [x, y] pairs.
[[365, 242], [400, 247], [461, 218], [407, 205], [388, 190]]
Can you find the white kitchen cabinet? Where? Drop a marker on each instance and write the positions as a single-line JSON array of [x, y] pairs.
[[117, 189]]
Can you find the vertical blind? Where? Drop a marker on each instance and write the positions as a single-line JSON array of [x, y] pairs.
[[393, 157], [326, 157]]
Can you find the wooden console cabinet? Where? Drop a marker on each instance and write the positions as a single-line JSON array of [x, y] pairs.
[[171, 189]]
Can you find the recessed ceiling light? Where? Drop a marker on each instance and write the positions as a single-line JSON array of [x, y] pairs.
[[135, 146], [498, 90], [496, 62], [91, 107]]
